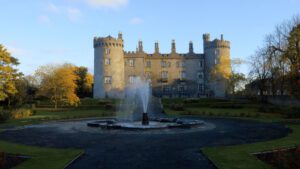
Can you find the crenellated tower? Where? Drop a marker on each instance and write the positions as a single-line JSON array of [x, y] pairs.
[[217, 59], [108, 66]]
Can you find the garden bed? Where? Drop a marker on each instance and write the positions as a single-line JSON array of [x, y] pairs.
[[282, 158], [8, 161]]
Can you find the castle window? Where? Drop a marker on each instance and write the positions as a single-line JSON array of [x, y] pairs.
[[163, 64], [201, 63], [181, 88], [107, 51], [180, 64], [182, 75], [200, 75], [148, 75], [167, 89], [107, 61], [200, 88], [148, 63], [131, 79], [164, 75], [107, 79], [131, 62]]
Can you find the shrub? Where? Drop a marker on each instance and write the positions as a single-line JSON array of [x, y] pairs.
[[224, 105], [109, 106], [177, 107], [226, 114], [292, 112], [4, 115], [191, 101], [269, 109], [21, 113]]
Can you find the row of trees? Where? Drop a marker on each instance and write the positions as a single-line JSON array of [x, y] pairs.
[[62, 84], [275, 67]]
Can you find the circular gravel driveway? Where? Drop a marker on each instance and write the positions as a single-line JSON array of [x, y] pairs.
[[144, 150]]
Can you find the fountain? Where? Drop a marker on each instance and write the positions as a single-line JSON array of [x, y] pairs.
[[137, 98]]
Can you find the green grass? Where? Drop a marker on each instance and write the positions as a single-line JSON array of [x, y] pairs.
[[46, 114], [240, 156], [222, 108], [46, 158]]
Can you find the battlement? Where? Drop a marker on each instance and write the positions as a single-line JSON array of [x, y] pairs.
[[108, 41], [217, 44]]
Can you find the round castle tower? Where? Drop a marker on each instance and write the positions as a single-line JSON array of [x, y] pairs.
[[108, 67], [217, 53]]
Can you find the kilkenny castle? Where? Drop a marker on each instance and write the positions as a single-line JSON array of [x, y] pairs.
[[170, 74]]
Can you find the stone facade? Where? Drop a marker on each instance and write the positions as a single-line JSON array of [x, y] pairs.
[[171, 74]]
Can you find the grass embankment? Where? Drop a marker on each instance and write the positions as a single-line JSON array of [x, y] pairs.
[[241, 156], [225, 108], [44, 112], [46, 158]]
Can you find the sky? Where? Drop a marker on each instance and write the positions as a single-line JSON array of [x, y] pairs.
[[58, 31]]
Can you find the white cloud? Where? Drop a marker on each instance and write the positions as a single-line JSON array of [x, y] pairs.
[[136, 21], [114, 4], [43, 19], [52, 8], [74, 14]]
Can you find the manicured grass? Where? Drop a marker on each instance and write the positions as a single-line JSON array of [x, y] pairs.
[[221, 108], [240, 156], [43, 115], [46, 158]]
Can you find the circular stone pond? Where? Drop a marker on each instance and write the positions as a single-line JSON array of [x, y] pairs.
[[154, 124]]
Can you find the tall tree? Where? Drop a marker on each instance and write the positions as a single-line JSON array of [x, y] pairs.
[[236, 79], [260, 70], [84, 82], [8, 74], [58, 83], [293, 55]]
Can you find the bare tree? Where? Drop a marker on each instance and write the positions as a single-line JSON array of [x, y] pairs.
[[260, 69]]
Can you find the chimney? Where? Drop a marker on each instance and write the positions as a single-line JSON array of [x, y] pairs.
[[173, 46], [191, 48], [156, 47]]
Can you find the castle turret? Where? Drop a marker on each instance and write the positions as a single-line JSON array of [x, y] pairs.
[[217, 62], [108, 67]]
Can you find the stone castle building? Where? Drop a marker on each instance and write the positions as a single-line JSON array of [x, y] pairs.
[[171, 74]]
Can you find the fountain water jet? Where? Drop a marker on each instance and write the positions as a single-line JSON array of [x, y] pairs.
[[137, 98], [143, 91]]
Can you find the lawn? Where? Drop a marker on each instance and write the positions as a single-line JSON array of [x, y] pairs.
[[46, 158], [240, 156], [222, 108]]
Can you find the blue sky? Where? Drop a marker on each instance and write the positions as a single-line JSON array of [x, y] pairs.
[[57, 31]]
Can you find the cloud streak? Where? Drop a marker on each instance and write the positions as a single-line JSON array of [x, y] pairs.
[[74, 14], [113, 4], [136, 21]]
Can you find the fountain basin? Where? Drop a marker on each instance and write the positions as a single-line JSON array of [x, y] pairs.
[[157, 123]]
